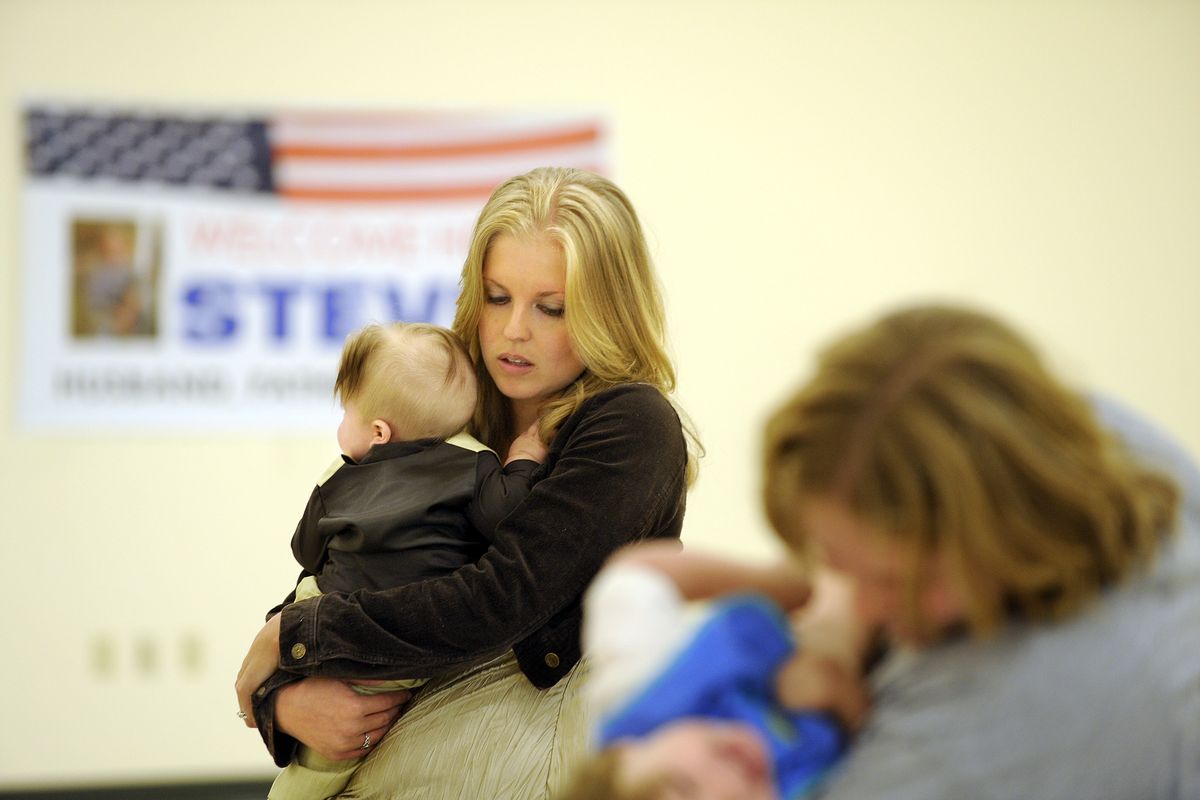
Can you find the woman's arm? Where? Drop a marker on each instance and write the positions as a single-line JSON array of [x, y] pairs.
[[700, 575], [618, 476], [615, 475]]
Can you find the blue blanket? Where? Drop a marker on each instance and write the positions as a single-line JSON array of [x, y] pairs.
[[727, 672]]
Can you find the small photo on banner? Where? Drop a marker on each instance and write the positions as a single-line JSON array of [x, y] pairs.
[[199, 270], [114, 273]]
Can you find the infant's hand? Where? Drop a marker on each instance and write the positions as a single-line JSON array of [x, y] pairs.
[[811, 682], [527, 446]]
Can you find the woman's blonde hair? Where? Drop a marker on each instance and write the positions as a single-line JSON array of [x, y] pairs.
[[614, 308], [941, 427], [414, 376]]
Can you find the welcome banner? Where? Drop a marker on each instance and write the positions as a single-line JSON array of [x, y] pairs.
[[199, 271]]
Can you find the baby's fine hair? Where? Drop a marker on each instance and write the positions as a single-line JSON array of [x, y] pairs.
[[941, 427], [414, 376]]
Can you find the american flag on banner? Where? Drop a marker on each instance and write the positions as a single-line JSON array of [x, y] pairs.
[[323, 156], [199, 269]]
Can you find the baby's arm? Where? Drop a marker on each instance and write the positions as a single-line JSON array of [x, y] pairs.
[[827, 672], [499, 490], [527, 447]]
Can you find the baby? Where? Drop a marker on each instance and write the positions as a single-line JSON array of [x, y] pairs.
[[412, 497], [688, 707]]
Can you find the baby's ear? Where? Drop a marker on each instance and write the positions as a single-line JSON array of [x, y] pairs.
[[381, 432]]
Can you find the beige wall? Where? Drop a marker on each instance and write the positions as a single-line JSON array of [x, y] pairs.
[[799, 165]]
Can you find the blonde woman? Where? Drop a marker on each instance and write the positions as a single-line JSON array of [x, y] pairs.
[[563, 317], [1020, 552]]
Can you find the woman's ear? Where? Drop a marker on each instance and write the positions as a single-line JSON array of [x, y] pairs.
[[381, 432]]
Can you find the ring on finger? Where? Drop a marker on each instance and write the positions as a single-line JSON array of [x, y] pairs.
[[366, 745]]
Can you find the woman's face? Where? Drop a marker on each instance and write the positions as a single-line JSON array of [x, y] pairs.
[[523, 328], [880, 568]]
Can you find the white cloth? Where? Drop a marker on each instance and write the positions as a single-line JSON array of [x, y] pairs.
[[634, 623]]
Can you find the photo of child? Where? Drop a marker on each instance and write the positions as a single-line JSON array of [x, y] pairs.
[[115, 265]]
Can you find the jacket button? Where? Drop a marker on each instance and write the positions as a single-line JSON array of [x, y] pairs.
[[298, 651], [551, 660]]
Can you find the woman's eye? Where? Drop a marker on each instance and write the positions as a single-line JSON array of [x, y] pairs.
[[497, 299], [552, 311]]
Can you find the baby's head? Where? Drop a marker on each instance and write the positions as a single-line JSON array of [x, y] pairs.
[[692, 758], [400, 382]]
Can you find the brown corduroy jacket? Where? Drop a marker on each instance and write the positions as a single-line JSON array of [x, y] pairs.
[[615, 474]]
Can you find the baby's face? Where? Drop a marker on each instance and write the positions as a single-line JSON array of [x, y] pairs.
[[355, 435], [699, 759]]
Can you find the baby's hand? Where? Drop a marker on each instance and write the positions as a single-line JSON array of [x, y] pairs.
[[813, 682], [527, 446]]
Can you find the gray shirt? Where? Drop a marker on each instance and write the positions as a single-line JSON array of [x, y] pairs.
[[1103, 707]]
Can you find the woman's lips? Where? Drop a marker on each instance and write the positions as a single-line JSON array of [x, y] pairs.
[[513, 363]]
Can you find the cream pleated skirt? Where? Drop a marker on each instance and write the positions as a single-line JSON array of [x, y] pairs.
[[485, 733]]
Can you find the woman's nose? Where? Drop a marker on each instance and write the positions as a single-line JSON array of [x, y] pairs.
[[516, 328]]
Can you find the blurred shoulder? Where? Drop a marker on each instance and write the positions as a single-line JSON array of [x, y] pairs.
[[1150, 444]]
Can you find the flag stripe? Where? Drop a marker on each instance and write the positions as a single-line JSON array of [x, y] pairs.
[[588, 135], [389, 195], [321, 172], [396, 194], [421, 129]]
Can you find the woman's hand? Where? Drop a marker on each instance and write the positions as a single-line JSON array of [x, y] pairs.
[[334, 720], [259, 664]]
